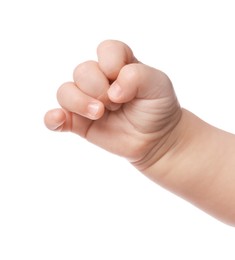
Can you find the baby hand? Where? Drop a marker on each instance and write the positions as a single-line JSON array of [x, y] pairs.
[[119, 104]]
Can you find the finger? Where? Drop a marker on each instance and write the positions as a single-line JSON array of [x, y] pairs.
[[91, 80], [139, 81], [62, 120], [112, 56], [55, 119], [74, 100]]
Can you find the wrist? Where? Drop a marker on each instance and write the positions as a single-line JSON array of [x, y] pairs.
[[157, 145], [199, 167], [179, 146]]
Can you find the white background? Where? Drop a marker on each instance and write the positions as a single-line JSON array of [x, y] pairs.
[[63, 198]]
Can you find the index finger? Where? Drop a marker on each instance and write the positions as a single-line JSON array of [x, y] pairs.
[[112, 56]]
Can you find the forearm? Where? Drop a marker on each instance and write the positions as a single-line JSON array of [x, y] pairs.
[[200, 167]]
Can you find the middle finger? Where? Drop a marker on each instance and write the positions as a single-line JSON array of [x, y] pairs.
[[91, 80]]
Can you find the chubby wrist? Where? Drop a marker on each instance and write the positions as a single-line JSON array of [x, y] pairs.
[[199, 167], [179, 147], [183, 165], [158, 144]]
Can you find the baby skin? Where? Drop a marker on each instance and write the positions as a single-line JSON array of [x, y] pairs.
[[130, 109]]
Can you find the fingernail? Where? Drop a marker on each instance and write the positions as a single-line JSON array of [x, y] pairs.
[[93, 109], [115, 91]]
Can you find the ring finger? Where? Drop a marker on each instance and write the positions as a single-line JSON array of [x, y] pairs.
[[71, 98]]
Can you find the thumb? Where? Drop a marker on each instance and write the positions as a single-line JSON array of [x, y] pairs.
[[140, 81]]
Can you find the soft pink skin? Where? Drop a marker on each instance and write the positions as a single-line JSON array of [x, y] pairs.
[[117, 103], [131, 109]]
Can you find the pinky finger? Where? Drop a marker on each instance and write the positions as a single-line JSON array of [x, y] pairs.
[[57, 120], [61, 120]]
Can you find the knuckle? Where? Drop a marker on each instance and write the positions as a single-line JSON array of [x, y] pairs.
[[103, 44], [62, 89], [108, 44], [83, 69]]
